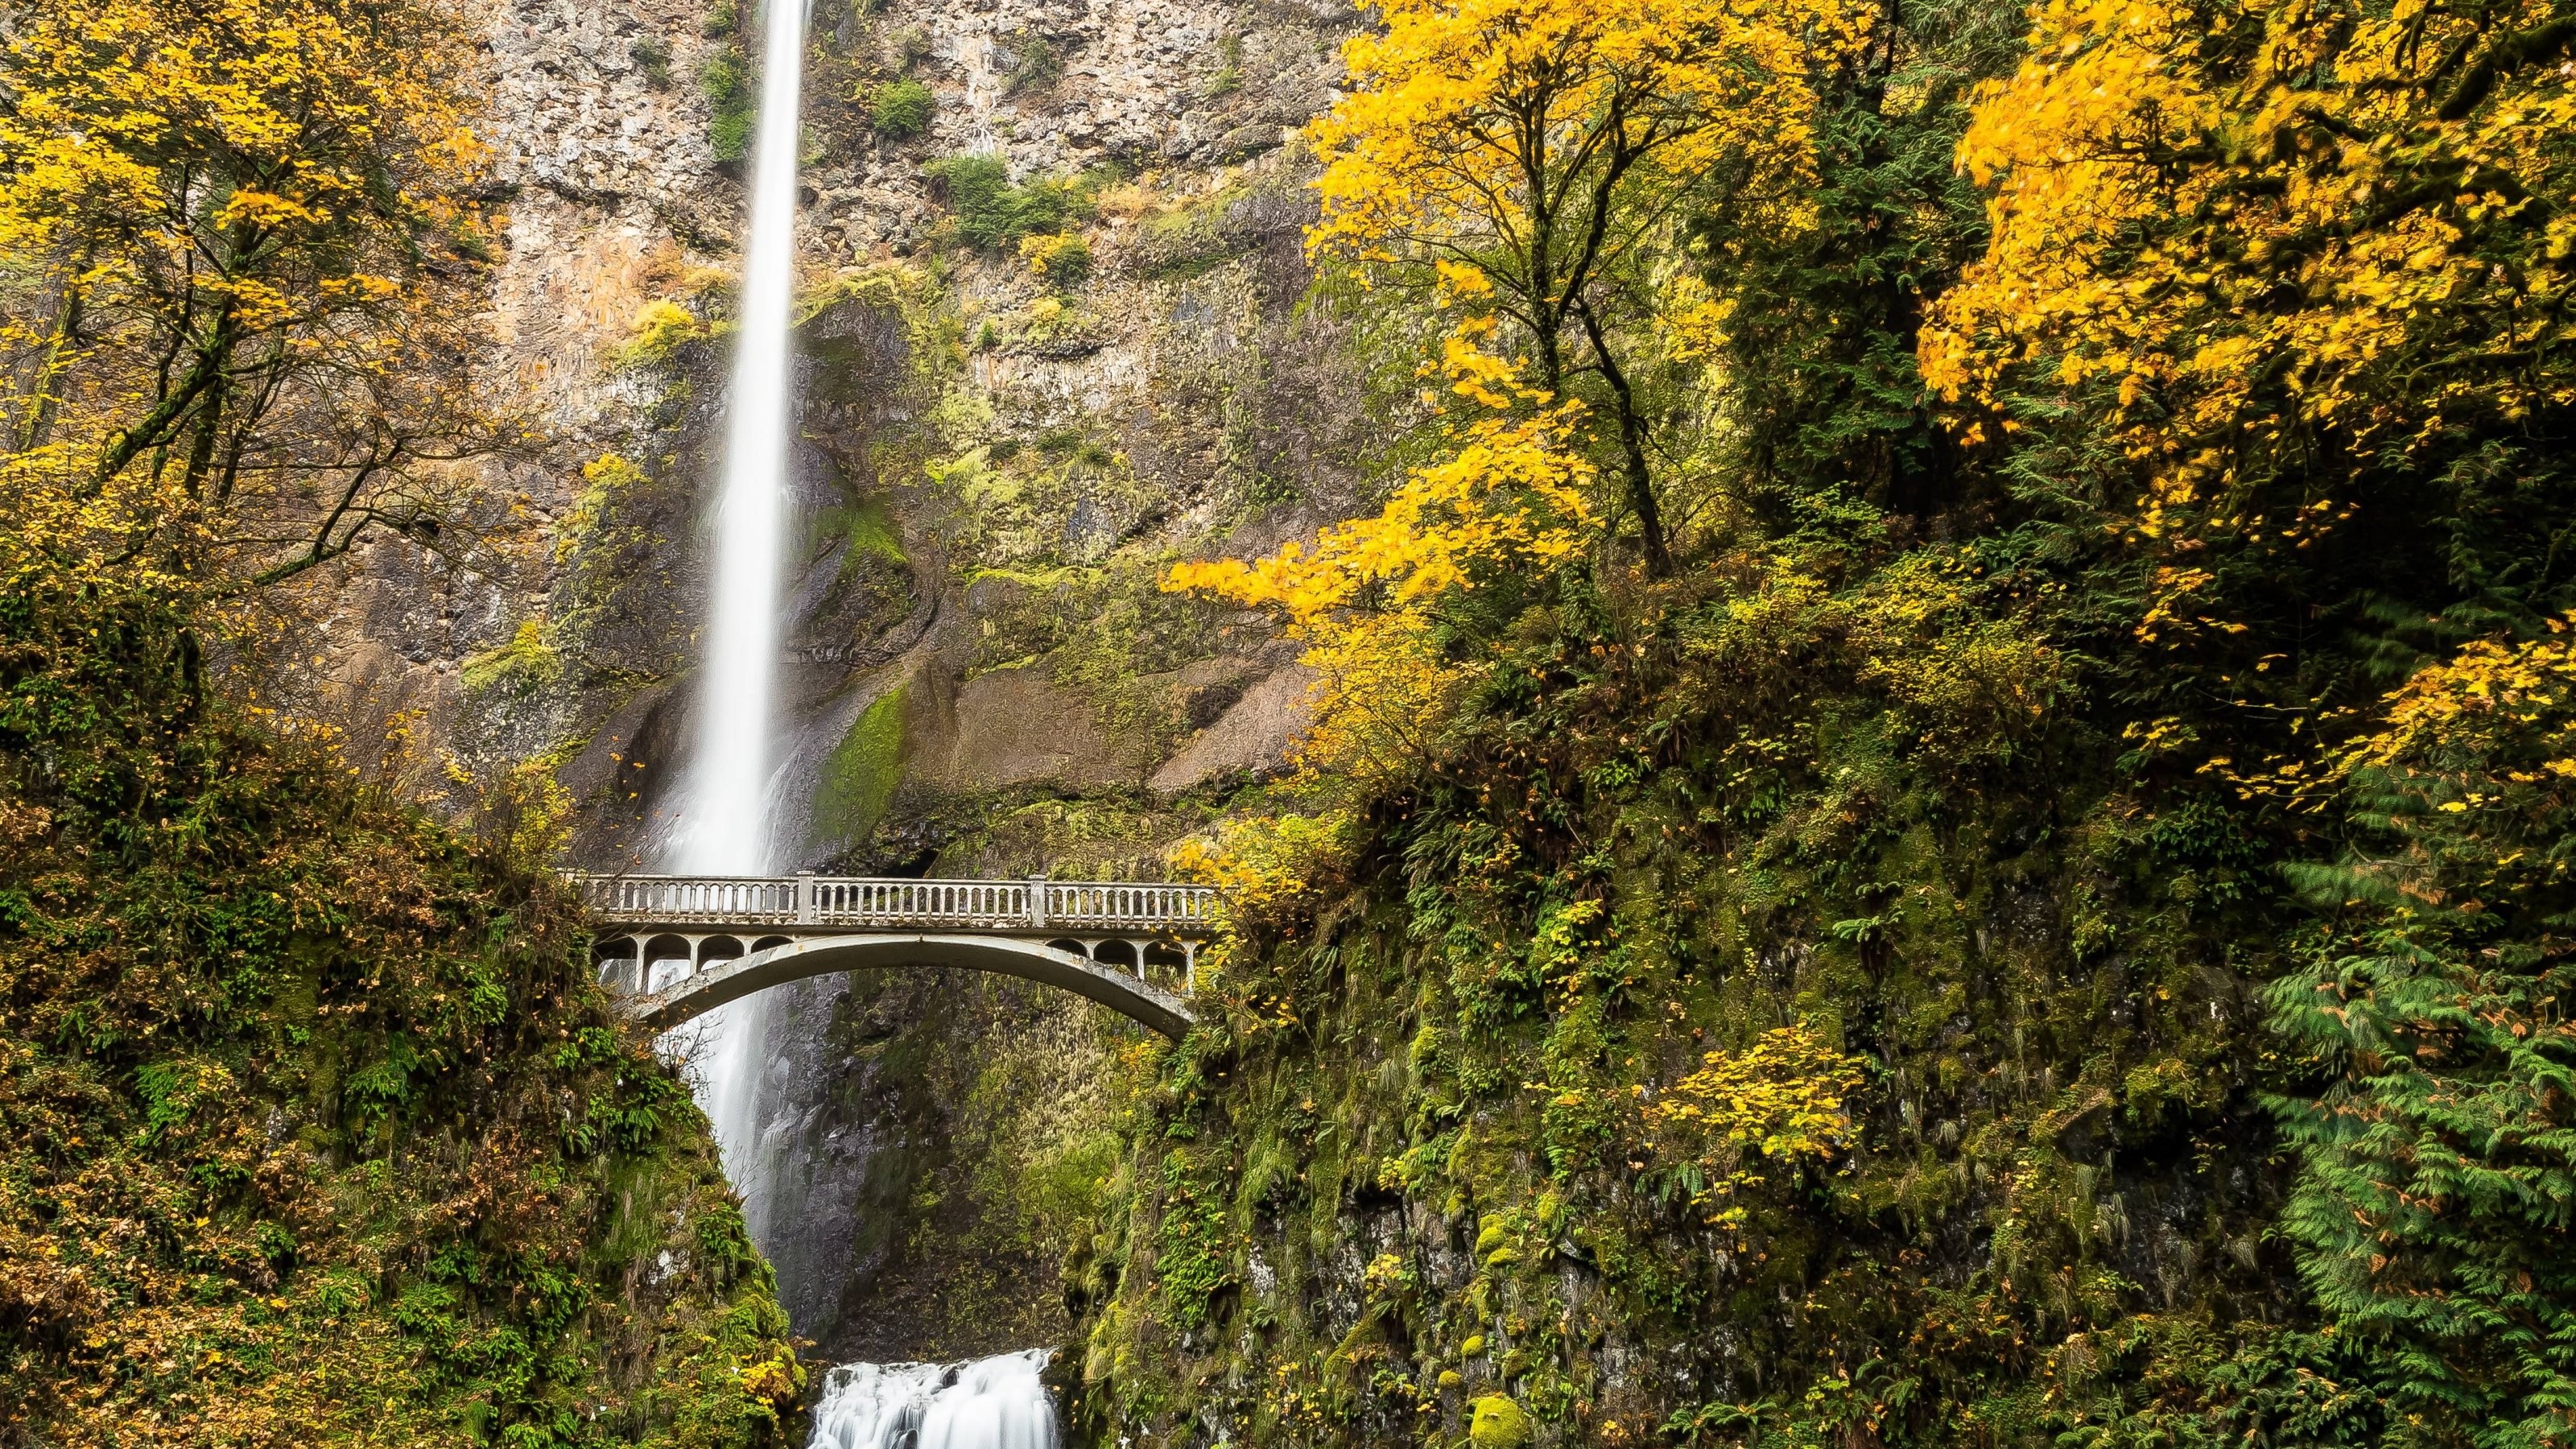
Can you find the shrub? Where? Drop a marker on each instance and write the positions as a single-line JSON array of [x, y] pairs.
[[901, 109], [729, 104], [1063, 259], [991, 212], [652, 55]]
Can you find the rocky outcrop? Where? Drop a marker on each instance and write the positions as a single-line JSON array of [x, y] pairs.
[[1252, 736]]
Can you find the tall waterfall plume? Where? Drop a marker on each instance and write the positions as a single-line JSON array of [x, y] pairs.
[[725, 805]]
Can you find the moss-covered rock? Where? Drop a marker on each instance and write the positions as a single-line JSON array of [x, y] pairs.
[[859, 776], [1498, 1423]]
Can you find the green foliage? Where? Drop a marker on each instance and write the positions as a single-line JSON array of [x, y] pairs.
[[991, 212], [901, 109], [1192, 1259], [1821, 343], [732, 106], [652, 55], [2438, 1160]]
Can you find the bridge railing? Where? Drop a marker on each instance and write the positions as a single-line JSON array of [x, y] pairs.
[[1114, 904], [1019, 906], [864, 901], [688, 900]]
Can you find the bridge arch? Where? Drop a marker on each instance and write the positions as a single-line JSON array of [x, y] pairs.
[[774, 965]]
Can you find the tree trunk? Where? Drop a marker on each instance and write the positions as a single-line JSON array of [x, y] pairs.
[[1632, 447]]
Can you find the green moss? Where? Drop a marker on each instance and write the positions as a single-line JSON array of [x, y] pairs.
[[1499, 1424], [859, 776], [866, 531], [660, 329], [731, 105], [526, 665]]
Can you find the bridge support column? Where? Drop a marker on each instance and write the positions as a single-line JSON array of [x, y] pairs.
[[1189, 967], [1037, 901], [1139, 948], [804, 897]]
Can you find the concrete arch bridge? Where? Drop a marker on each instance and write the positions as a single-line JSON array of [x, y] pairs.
[[674, 947]]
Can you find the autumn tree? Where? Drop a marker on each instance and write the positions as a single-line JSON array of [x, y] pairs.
[[1509, 499], [2308, 264], [1527, 153], [240, 268]]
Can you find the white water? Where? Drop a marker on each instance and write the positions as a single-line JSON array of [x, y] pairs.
[[725, 805], [992, 1403]]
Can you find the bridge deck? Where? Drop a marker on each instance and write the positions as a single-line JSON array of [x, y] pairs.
[[1012, 907]]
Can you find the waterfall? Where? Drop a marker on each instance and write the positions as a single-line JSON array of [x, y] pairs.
[[725, 805], [993, 1403], [727, 802]]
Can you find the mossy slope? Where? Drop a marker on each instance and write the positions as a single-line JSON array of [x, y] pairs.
[[313, 1128]]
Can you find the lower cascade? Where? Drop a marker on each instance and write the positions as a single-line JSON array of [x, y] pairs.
[[988, 1403]]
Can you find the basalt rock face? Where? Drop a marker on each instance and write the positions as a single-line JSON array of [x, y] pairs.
[[999, 451]]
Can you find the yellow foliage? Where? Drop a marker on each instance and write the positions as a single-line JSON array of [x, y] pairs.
[[2266, 221], [1975, 681], [1780, 1102], [1511, 497], [1063, 259], [1475, 130], [1263, 861], [660, 328], [603, 478], [2486, 693], [1384, 690], [1520, 161], [1263, 867], [241, 268]]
